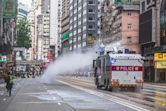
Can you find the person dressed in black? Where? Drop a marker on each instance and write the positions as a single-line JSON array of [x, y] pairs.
[[9, 83]]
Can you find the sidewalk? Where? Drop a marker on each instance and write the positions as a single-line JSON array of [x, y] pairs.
[[1, 80]]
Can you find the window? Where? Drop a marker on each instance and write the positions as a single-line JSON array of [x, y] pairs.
[[90, 18], [84, 12], [79, 30], [79, 38], [84, 27], [79, 45], [90, 26], [84, 36], [74, 39], [90, 2], [90, 10], [84, 44], [129, 40], [75, 46], [129, 13], [129, 1], [90, 35], [70, 41], [79, 16], [148, 2], [129, 26], [143, 6], [70, 47]]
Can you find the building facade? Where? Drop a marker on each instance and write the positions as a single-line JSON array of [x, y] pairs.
[[43, 30], [39, 17], [7, 35], [152, 37], [32, 17], [55, 27], [22, 11], [120, 25], [83, 24], [8, 29], [65, 26]]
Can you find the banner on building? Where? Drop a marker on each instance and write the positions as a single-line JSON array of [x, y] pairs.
[[160, 64], [9, 8], [134, 2], [159, 56]]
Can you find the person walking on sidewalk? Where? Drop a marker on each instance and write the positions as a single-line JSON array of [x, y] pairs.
[[9, 83]]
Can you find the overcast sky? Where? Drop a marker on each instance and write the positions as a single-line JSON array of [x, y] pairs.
[[27, 2]]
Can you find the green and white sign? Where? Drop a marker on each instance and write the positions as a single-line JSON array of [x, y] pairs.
[[3, 58], [133, 2], [9, 8]]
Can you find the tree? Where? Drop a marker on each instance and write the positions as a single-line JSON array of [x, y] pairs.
[[23, 33]]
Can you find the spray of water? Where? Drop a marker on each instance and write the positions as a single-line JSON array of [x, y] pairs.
[[68, 64]]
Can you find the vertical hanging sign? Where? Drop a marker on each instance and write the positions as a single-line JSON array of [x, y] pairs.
[[9, 8]]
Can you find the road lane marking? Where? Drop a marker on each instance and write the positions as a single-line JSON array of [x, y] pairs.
[[59, 104], [42, 102], [108, 97]]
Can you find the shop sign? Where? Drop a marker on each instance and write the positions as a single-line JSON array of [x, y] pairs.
[[90, 40], [159, 56], [9, 8], [160, 64], [3, 58]]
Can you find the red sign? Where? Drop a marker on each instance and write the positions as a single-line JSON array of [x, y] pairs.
[[50, 55], [127, 68]]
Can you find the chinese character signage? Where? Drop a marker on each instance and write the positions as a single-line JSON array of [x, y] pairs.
[[163, 23], [159, 56], [9, 8], [160, 64]]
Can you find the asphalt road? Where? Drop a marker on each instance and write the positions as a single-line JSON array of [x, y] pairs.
[[151, 97], [32, 95]]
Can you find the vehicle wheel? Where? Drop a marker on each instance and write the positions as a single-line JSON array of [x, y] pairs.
[[98, 87], [109, 88]]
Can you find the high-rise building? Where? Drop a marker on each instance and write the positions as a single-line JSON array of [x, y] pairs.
[[32, 16], [153, 38], [120, 25], [39, 18], [43, 31], [22, 11], [8, 28], [83, 24], [55, 26], [65, 26]]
